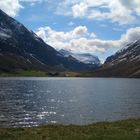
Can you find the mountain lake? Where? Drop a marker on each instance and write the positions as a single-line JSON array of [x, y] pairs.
[[26, 102]]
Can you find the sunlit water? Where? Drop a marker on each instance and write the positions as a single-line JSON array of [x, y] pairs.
[[28, 102]]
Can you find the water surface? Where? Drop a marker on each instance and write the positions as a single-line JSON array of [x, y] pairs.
[[38, 101]]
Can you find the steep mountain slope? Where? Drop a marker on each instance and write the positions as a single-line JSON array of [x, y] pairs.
[[86, 58], [23, 49], [124, 63], [130, 53]]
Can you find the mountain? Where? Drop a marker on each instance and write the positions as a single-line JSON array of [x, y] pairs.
[[124, 63], [85, 58], [22, 49], [130, 53]]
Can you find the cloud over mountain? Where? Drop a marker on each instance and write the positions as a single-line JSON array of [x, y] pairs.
[[11, 7], [97, 26], [81, 40]]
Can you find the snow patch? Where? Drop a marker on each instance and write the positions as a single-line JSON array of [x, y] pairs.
[[4, 35]]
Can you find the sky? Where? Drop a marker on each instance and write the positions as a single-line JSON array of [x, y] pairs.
[[100, 27]]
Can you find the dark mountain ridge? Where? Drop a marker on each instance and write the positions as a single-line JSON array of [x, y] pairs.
[[129, 53], [23, 49], [124, 63]]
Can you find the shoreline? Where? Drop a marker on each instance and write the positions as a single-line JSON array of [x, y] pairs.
[[40, 76], [118, 130], [80, 74]]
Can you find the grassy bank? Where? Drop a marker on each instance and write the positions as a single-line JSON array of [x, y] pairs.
[[120, 130], [32, 73], [24, 73]]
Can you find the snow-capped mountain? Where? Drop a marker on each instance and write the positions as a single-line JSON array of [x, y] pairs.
[[86, 58], [129, 53], [21, 48], [124, 63]]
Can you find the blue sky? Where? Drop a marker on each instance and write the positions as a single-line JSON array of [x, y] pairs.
[[98, 27]]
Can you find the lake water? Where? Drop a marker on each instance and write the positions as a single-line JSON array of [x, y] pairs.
[[28, 102]]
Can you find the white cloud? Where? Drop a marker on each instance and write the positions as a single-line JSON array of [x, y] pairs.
[[79, 10], [11, 7], [80, 30], [120, 11], [81, 40], [76, 40], [132, 5], [131, 35]]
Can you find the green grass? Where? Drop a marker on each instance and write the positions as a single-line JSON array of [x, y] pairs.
[[27, 73], [35, 73], [120, 130]]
